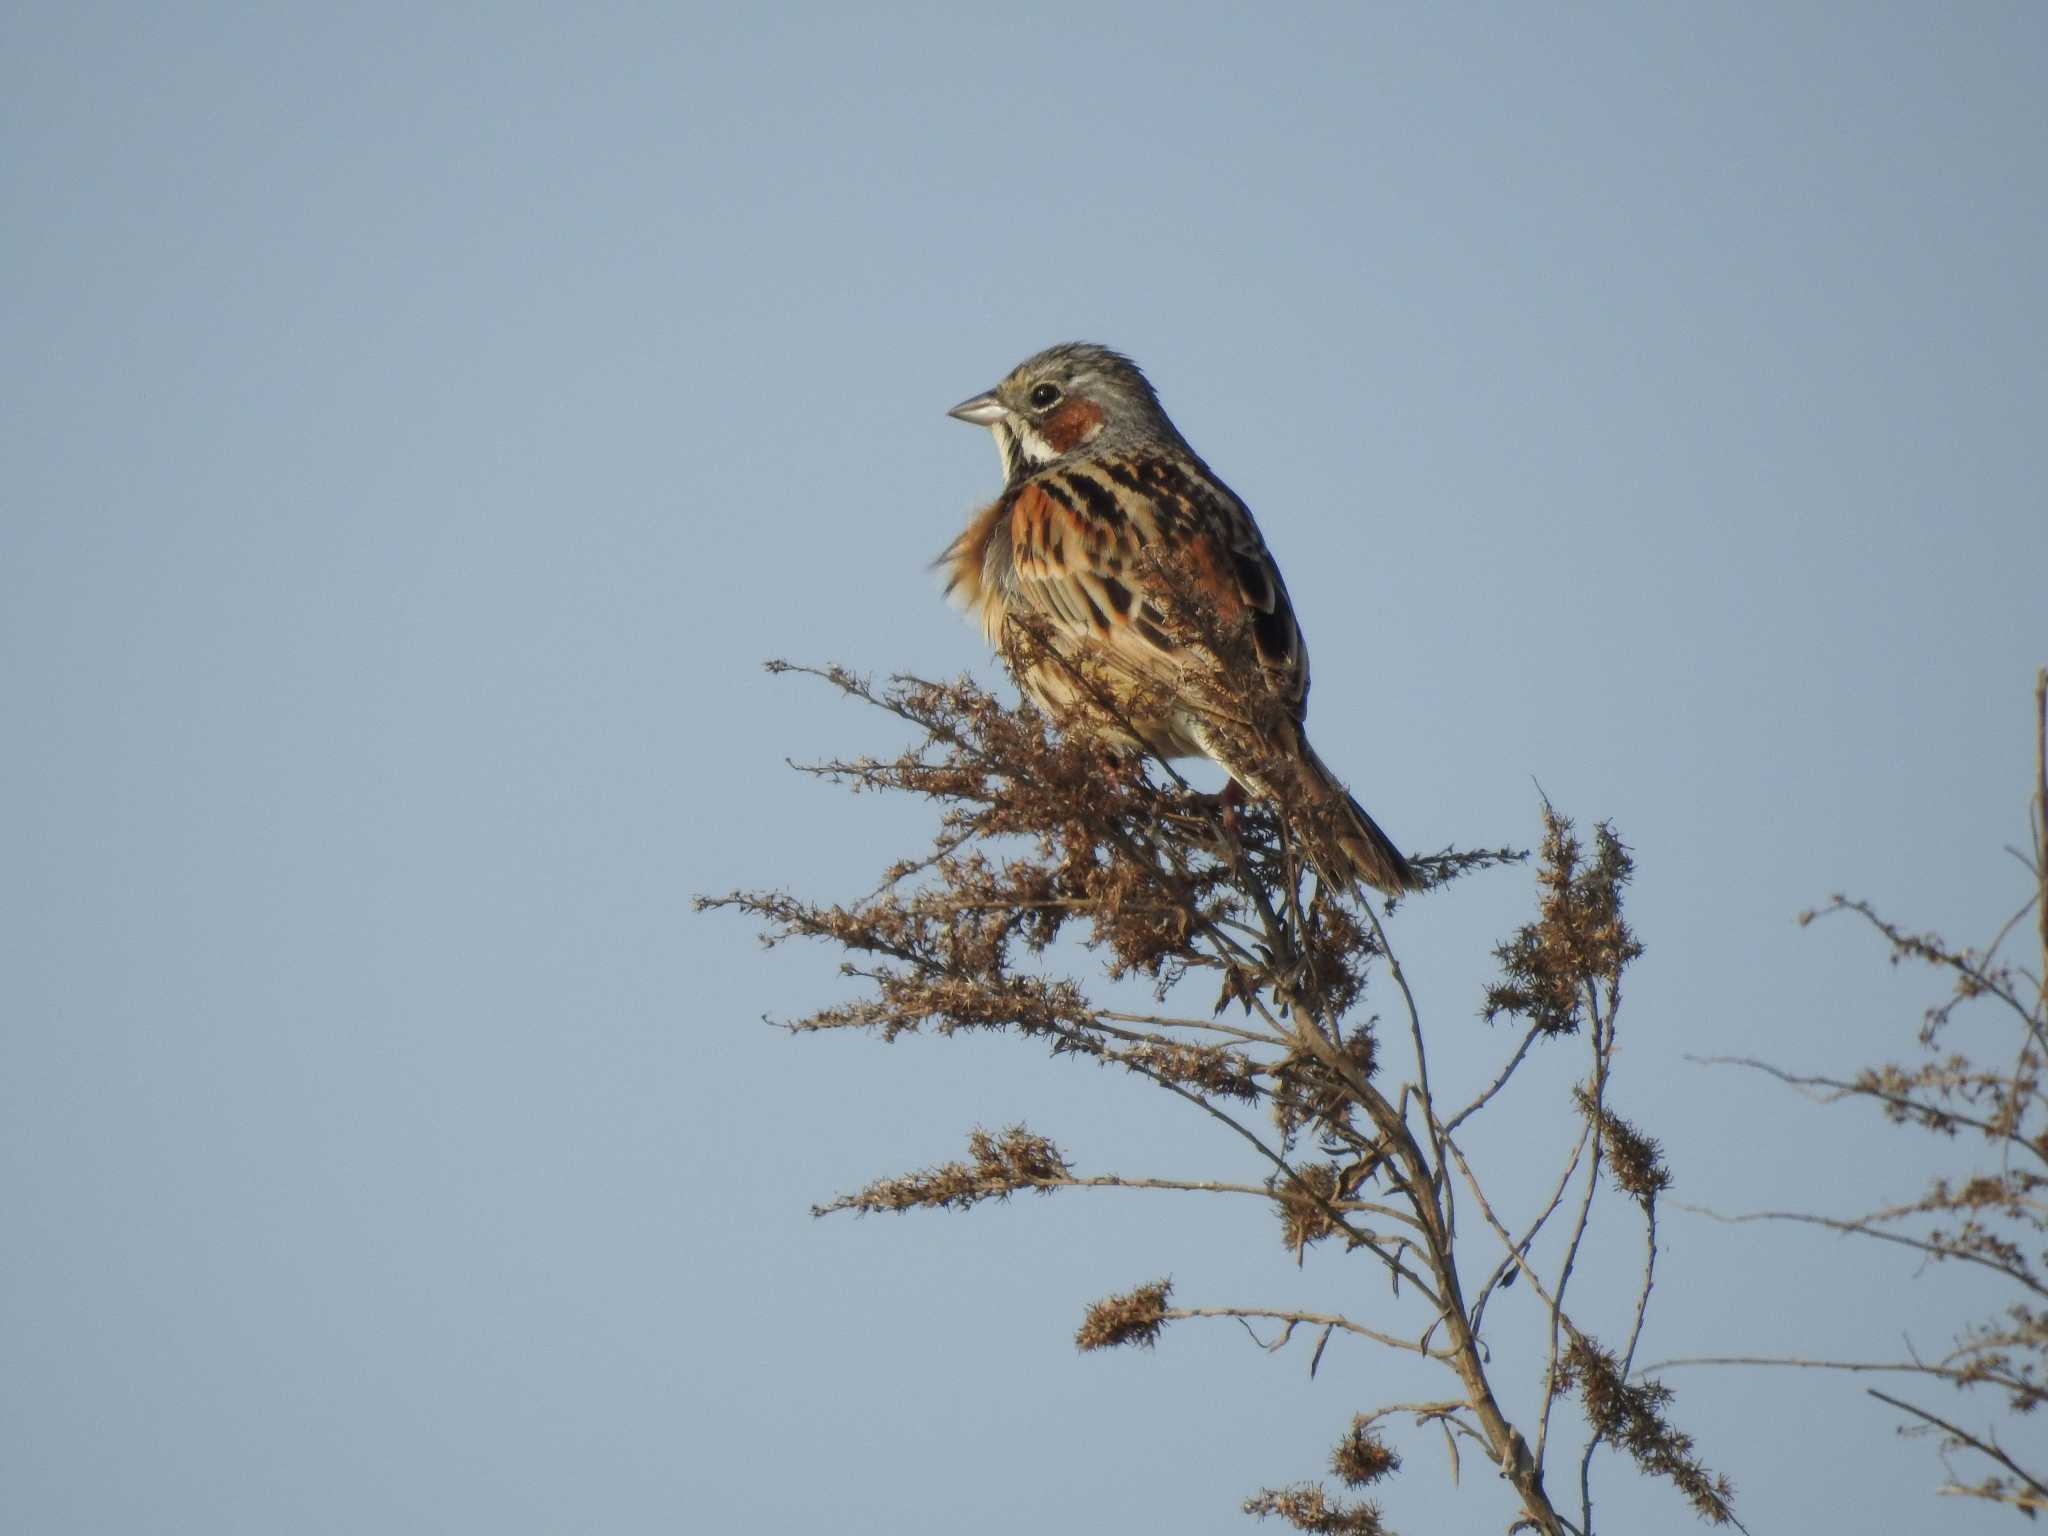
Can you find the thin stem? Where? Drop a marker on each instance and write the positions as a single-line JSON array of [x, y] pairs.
[[1215, 1026], [1990, 1448], [1509, 1265], [1313, 1319], [1837, 1090], [1430, 1122], [2040, 820], [1961, 1376], [1211, 1187], [1862, 1228], [1515, 1256], [1498, 1083], [1600, 1033], [1628, 1356]]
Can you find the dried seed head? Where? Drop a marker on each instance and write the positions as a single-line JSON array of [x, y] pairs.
[[1362, 1457], [1135, 1317]]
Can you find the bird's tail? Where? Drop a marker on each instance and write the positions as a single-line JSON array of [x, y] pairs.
[[1370, 853]]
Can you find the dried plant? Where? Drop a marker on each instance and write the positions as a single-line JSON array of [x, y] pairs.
[[1255, 974], [1977, 1085]]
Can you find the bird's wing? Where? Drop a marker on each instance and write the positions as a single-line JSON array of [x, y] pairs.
[[1084, 542]]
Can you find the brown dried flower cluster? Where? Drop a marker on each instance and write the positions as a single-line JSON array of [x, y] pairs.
[[1362, 1457], [1307, 1202], [997, 1167], [1134, 1317], [1578, 939], [1632, 1415], [1634, 1161], [1253, 976], [1306, 1507]]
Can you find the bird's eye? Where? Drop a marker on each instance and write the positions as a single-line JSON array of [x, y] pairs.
[[1045, 396]]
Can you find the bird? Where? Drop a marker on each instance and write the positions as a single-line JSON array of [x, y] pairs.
[[1104, 508]]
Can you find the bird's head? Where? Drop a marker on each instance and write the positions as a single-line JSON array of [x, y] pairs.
[[1068, 398]]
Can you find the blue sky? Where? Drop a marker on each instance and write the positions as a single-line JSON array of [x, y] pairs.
[[420, 424]]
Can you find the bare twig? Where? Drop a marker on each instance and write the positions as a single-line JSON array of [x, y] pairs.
[[1866, 1226], [1985, 1445], [1529, 1038], [1313, 1319]]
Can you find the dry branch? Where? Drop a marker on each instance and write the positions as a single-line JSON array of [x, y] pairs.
[[1991, 1215], [1048, 845]]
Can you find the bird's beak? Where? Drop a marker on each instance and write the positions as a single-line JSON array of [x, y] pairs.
[[984, 410]]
